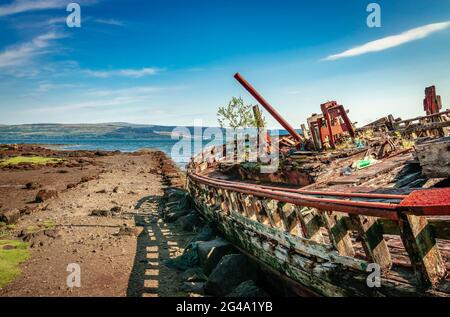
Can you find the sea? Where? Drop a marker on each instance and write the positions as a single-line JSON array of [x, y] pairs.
[[179, 151]]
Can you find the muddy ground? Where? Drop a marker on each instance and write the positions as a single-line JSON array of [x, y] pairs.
[[120, 249]]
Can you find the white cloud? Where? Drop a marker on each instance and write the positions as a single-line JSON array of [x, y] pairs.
[[100, 99], [136, 73], [21, 6], [22, 53], [392, 41], [135, 91], [110, 22]]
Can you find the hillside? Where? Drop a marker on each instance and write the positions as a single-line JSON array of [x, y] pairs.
[[85, 131]]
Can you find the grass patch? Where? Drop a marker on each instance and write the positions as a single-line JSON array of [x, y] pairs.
[[44, 225], [34, 160], [15, 253]]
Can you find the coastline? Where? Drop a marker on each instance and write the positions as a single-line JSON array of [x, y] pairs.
[[92, 218]]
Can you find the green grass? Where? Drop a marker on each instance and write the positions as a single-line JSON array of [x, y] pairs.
[[35, 160], [10, 260]]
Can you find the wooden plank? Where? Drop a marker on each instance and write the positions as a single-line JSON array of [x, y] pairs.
[[310, 222], [271, 206], [340, 236], [375, 247], [420, 243], [434, 157]]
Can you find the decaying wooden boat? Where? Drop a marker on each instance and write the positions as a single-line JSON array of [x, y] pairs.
[[330, 233]]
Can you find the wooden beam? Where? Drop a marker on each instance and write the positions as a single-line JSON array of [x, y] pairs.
[[340, 236], [420, 243], [375, 247], [310, 221]]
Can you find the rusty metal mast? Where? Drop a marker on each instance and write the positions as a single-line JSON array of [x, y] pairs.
[[268, 107]]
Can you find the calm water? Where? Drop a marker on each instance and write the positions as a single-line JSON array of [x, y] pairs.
[[165, 145]]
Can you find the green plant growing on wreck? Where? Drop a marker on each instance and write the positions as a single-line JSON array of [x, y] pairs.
[[236, 115], [12, 254]]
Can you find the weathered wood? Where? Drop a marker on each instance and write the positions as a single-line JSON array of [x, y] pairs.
[[434, 157], [374, 245], [420, 243], [271, 208], [340, 236], [317, 266], [310, 222]]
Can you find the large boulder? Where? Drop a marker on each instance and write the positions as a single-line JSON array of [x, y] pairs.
[[231, 271], [211, 252], [193, 287], [190, 222], [46, 194], [194, 274], [205, 234], [248, 289], [176, 213]]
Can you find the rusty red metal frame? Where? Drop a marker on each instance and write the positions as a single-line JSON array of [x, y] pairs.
[[426, 205], [268, 107]]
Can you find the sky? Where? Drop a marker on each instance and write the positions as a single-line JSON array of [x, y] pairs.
[[172, 62]]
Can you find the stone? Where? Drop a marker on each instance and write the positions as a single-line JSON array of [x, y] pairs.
[[248, 289], [189, 222], [116, 209], [194, 274], [46, 194], [100, 213], [231, 271], [10, 216], [32, 185], [193, 287], [205, 234], [176, 213], [127, 231], [211, 252]]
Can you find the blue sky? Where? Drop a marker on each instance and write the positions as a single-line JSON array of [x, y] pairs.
[[172, 62]]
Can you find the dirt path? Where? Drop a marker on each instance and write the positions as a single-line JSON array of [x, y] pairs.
[[118, 255]]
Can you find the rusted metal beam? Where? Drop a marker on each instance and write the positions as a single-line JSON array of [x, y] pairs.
[[268, 107]]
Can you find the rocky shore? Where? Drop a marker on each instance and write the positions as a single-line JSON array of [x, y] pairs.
[[124, 218]]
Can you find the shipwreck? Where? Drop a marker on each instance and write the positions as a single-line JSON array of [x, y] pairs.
[[344, 202]]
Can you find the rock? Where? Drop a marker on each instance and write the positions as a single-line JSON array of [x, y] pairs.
[[116, 189], [37, 236], [194, 274], [86, 179], [116, 209], [231, 271], [127, 231], [211, 252], [32, 185], [100, 213], [28, 210], [205, 234], [248, 289], [190, 222], [10, 216], [175, 214], [193, 287], [9, 247], [46, 194], [69, 186], [102, 191], [53, 233]]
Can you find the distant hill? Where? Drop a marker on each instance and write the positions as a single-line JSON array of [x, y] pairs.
[[116, 130]]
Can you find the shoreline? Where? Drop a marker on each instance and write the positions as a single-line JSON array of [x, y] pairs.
[[92, 218]]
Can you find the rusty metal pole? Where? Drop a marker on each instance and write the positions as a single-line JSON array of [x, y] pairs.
[[268, 107]]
